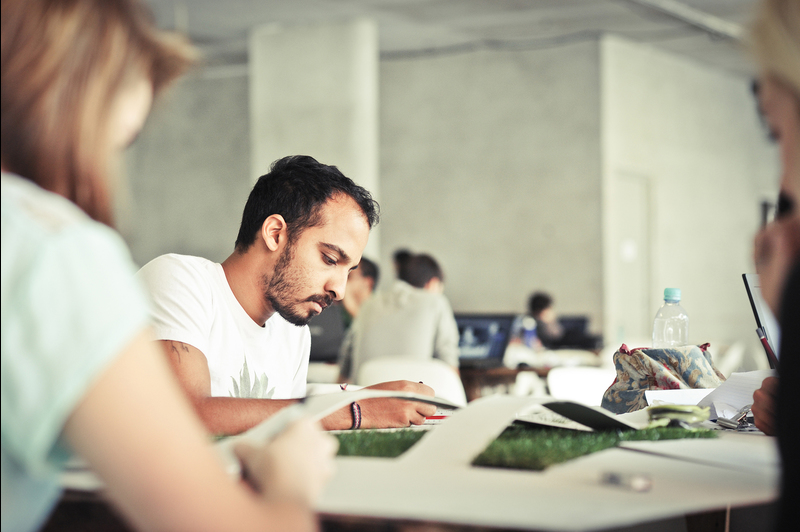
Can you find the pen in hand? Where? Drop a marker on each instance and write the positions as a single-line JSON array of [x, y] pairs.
[[773, 360]]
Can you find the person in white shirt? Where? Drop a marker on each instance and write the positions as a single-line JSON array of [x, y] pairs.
[[412, 319], [236, 332]]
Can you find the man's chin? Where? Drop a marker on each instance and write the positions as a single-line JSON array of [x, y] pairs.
[[294, 315], [297, 319]]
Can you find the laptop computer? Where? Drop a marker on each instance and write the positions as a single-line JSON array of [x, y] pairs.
[[327, 334], [483, 338], [768, 330], [575, 334]]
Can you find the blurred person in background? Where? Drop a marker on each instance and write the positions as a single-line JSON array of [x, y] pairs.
[[411, 319], [78, 78], [776, 42], [399, 258], [361, 283], [548, 330], [330, 326]]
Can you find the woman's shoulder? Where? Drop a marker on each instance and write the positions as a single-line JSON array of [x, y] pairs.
[[38, 225], [26, 204]]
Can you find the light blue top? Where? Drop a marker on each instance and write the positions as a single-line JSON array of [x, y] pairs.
[[69, 305]]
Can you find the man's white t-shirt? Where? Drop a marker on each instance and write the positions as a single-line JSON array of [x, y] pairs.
[[193, 304]]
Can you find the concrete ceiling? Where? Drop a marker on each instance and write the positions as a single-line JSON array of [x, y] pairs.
[[419, 28]]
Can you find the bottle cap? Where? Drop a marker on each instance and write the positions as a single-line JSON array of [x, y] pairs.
[[672, 294]]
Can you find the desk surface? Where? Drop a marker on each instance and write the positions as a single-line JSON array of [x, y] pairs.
[[434, 482]]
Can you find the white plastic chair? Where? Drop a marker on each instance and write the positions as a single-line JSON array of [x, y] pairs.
[[529, 383], [730, 359], [606, 356], [574, 357], [322, 372], [435, 373], [584, 385]]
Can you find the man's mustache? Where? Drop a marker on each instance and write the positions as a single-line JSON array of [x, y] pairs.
[[322, 301]]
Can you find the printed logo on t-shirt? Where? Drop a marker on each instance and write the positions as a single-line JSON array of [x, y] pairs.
[[259, 388]]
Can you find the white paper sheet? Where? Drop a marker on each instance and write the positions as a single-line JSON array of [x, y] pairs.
[[688, 396], [737, 391], [317, 407], [541, 415], [736, 451]]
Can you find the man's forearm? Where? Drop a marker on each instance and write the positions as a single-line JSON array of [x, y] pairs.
[[342, 419], [232, 415]]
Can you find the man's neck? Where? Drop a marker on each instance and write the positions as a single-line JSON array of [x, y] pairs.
[[247, 284]]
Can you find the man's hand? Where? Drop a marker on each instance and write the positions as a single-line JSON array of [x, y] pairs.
[[776, 247], [764, 405], [295, 466], [394, 413]]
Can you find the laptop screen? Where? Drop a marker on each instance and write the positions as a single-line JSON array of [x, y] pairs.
[[483, 338], [327, 334]]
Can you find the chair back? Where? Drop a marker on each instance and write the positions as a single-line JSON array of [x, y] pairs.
[[435, 373], [731, 359], [584, 385]]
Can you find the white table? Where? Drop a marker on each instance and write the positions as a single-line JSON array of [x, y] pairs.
[[433, 481]]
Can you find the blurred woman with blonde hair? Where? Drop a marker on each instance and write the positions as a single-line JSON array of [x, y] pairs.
[[776, 42], [80, 372]]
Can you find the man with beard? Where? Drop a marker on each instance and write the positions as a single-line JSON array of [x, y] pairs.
[[235, 333]]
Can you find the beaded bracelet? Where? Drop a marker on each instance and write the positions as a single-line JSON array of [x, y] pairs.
[[355, 409]]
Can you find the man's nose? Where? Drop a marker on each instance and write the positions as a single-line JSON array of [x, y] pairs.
[[336, 285]]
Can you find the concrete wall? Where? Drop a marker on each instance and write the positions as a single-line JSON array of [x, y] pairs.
[[189, 172], [686, 140], [490, 161], [314, 91], [517, 171]]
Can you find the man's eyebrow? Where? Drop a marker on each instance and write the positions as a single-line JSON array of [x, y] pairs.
[[333, 247]]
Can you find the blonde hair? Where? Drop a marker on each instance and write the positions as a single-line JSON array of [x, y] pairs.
[[64, 62], [775, 37]]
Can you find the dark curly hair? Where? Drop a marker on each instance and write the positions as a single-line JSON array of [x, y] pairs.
[[296, 187]]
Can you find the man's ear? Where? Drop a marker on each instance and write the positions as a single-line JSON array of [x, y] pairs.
[[274, 232]]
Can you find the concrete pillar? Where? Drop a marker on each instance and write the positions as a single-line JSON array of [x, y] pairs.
[[314, 91]]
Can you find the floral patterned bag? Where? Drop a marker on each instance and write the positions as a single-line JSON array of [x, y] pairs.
[[644, 369]]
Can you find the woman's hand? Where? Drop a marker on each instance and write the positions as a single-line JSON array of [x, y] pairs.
[[295, 466], [764, 401]]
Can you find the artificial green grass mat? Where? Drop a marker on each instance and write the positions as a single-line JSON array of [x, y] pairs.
[[525, 447], [518, 447], [377, 444]]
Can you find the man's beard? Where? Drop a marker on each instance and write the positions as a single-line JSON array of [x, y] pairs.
[[283, 285]]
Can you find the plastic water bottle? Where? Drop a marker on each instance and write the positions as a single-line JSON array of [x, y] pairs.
[[671, 326]]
